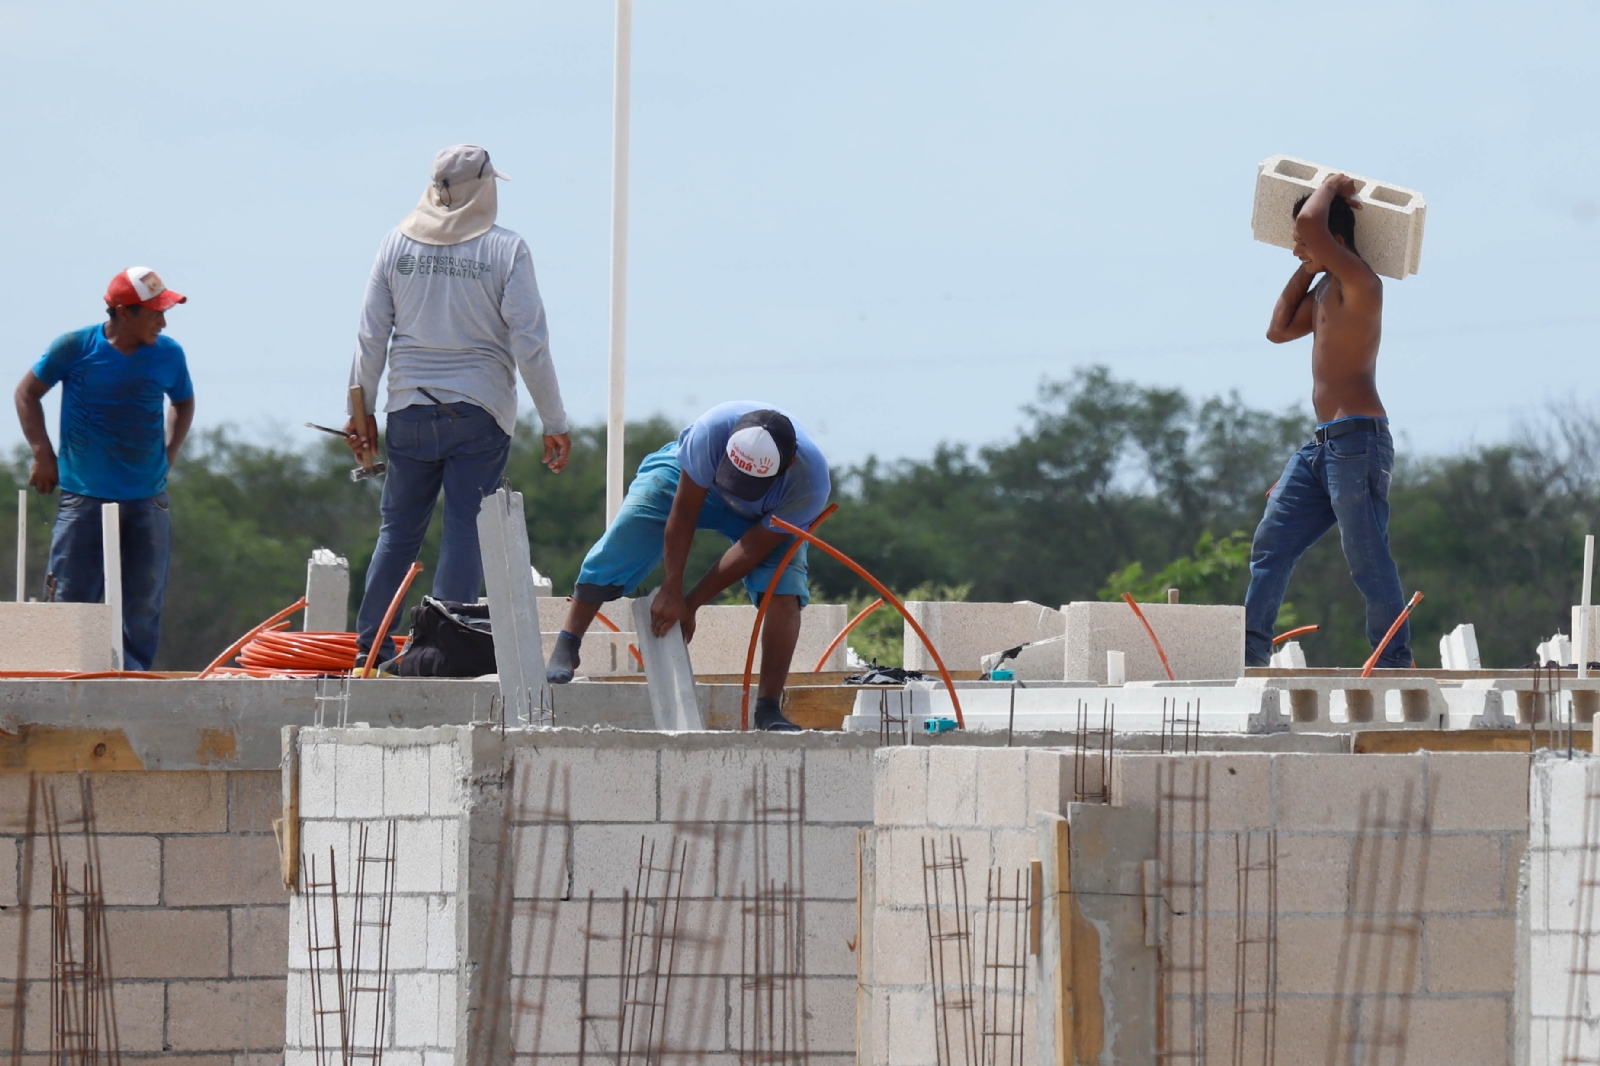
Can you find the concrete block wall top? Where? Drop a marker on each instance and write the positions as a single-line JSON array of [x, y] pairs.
[[965, 632], [1388, 226], [55, 636], [1202, 642], [722, 637]]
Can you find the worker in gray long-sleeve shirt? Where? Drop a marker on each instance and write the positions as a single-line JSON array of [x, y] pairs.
[[454, 309]]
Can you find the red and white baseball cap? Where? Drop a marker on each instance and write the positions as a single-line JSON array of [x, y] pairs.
[[760, 449], [142, 286]]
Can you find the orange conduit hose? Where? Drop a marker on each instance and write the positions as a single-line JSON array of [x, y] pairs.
[[1128, 597], [279, 651], [1366, 671], [894, 600], [609, 624], [233, 649], [1293, 633], [388, 617], [845, 632], [761, 614]]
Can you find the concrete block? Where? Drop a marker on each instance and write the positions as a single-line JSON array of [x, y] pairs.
[[1313, 874], [722, 637], [1470, 1030], [169, 943], [446, 780], [1049, 782], [1310, 951], [55, 636], [408, 934], [606, 859], [965, 632], [729, 784], [224, 1015], [900, 786], [830, 932], [130, 868], [327, 593], [441, 911], [1337, 792], [358, 792], [604, 653], [206, 871], [1202, 642], [839, 786], [550, 937], [594, 784], [419, 855], [1458, 649], [319, 774], [255, 800], [1002, 788], [1479, 792], [829, 855], [416, 1010], [1388, 227], [406, 781], [260, 939], [193, 801], [952, 786], [669, 673], [541, 865], [1470, 954], [900, 855]]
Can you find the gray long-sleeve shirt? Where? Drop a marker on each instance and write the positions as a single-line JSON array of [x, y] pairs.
[[458, 320]]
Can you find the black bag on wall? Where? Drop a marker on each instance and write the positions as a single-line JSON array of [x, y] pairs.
[[448, 639]]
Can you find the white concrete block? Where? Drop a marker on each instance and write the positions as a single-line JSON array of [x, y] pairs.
[[668, 673], [1594, 637], [446, 795], [953, 786], [839, 786], [419, 856], [1388, 226], [406, 781], [441, 933], [1558, 650], [55, 636], [965, 632], [1202, 642], [359, 790], [1290, 656], [1458, 649], [553, 614], [900, 786], [585, 785], [416, 1010], [327, 593], [408, 933], [318, 775], [603, 653]]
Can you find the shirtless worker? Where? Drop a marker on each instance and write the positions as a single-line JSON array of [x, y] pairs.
[[1343, 474]]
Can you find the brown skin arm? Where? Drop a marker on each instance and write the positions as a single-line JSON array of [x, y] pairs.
[[1294, 315], [362, 435], [1359, 286], [179, 419], [30, 412]]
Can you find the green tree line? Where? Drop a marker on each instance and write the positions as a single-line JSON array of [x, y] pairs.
[[1107, 487]]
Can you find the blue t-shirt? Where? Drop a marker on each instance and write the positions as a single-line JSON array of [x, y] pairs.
[[113, 421], [799, 494]]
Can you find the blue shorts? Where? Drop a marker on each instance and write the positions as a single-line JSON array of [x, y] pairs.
[[631, 548]]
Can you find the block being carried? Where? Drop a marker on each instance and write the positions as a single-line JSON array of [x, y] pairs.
[[1388, 227], [1342, 475], [740, 465]]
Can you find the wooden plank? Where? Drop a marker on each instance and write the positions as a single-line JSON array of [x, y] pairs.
[[1410, 741], [287, 828], [51, 749]]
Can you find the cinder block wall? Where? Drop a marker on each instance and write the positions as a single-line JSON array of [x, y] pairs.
[[982, 801], [1396, 901], [196, 913]]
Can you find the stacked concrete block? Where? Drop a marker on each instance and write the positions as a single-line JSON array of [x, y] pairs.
[[355, 778], [327, 593], [195, 910], [1202, 642], [722, 637], [982, 801], [965, 632], [1388, 226], [55, 636], [1396, 915]]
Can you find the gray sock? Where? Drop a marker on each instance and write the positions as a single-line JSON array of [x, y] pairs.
[[563, 660]]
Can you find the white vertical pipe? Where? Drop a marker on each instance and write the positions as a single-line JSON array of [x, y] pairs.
[[22, 544], [111, 543], [619, 259], [1583, 610]]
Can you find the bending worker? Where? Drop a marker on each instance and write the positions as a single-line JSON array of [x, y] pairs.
[[118, 441], [740, 465], [454, 308]]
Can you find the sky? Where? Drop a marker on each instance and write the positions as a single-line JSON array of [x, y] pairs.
[[892, 218]]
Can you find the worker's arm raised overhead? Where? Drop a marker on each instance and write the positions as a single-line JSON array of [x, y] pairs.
[[523, 310], [1359, 285], [43, 475]]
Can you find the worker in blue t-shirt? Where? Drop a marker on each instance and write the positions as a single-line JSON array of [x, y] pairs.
[[746, 463], [117, 443]]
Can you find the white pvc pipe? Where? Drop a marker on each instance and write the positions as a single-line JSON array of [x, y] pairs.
[[22, 544], [111, 544], [619, 260], [1583, 609]]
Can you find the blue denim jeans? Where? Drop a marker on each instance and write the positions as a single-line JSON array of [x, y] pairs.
[[77, 563], [428, 449], [1345, 481]]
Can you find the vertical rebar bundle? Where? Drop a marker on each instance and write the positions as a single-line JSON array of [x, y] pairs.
[[1180, 730], [1183, 829], [83, 1016], [889, 722], [366, 995], [1255, 945], [323, 949], [331, 693], [1092, 752], [772, 945], [1005, 966], [950, 962], [649, 951]]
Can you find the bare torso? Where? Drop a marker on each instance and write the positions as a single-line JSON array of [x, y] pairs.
[[1344, 353]]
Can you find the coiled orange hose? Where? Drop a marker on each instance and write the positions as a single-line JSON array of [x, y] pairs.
[[233, 649]]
